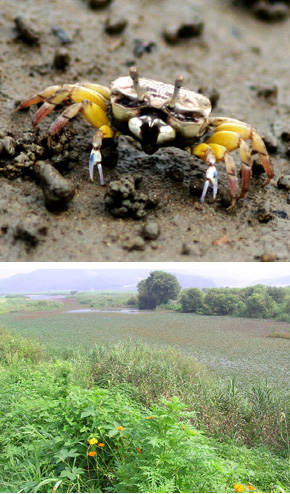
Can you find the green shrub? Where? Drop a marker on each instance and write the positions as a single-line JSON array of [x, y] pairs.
[[13, 348]]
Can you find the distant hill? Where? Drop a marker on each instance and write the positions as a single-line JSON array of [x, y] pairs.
[[281, 281], [43, 280]]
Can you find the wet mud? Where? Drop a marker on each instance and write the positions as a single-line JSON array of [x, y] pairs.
[[149, 209]]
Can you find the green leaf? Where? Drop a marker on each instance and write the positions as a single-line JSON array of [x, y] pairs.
[[79, 471], [73, 453], [89, 412], [113, 432], [68, 474]]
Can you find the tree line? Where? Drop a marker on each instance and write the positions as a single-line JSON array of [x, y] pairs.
[[259, 301]]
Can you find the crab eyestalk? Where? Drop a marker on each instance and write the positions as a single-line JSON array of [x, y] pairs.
[[178, 83], [135, 78]]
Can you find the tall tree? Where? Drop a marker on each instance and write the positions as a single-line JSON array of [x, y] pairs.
[[157, 289]]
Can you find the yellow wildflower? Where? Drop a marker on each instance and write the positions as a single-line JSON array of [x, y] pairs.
[[251, 487], [101, 445], [239, 487], [93, 441], [120, 428]]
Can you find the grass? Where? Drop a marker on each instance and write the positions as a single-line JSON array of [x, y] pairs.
[[226, 345], [106, 298], [23, 303], [280, 334], [92, 425], [82, 413]]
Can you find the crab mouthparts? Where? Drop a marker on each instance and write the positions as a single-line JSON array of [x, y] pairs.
[[151, 132]]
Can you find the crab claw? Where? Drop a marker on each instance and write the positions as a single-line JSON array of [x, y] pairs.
[[211, 178], [96, 160]]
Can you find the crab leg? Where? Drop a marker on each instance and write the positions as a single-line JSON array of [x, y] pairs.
[[96, 117], [243, 131], [96, 157], [90, 100], [97, 88], [211, 153], [74, 92], [37, 98], [211, 177], [224, 142]]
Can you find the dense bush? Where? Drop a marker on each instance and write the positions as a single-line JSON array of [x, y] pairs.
[[192, 300], [253, 302]]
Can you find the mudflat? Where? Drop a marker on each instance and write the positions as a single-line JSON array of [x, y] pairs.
[[240, 62]]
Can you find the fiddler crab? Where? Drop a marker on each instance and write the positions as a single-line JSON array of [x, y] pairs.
[[157, 115]]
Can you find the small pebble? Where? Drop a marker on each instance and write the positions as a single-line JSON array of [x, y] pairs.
[[98, 4], [135, 244], [185, 249], [266, 12], [61, 34], [189, 29], [61, 59], [285, 136], [8, 144], [211, 93], [271, 143], [26, 31], [268, 92], [176, 173], [196, 187], [115, 25], [151, 230], [152, 200], [57, 190], [284, 182], [268, 257], [141, 47], [280, 213], [264, 213]]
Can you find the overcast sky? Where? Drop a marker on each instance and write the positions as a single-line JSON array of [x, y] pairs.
[[232, 273]]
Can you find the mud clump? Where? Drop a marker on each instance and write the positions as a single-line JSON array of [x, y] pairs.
[[176, 32], [268, 10], [31, 147], [30, 231], [264, 213], [124, 200], [26, 31], [284, 182], [151, 230], [98, 4], [7, 144], [61, 59], [115, 24], [136, 243], [57, 190], [176, 173]]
